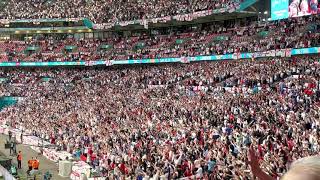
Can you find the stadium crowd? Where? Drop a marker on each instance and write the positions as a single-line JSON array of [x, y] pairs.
[[174, 120], [214, 39], [104, 11]]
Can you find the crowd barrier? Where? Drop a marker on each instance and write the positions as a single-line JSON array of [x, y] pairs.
[[79, 169], [235, 56], [6, 174]]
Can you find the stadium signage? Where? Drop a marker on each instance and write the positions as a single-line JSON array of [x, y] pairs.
[[273, 53], [282, 9], [7, 21]]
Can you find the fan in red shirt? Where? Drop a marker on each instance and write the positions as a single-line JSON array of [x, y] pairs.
[[188, 172], [308, 92], [290, 145], [123, 168]]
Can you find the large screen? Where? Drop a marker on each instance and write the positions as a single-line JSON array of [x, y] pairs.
[[281, 9]]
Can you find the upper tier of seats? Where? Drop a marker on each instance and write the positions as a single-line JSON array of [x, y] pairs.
[[104, 11], [209, 40]]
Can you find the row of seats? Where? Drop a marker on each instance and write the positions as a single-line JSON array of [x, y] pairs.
[[210, 40]]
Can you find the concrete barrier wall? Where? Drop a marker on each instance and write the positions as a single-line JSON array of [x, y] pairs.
[[5, 173]]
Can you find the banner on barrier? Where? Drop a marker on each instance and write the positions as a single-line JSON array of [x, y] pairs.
[[271, 53], [108, 62], [236, 56], [184, 60], [288, 52]]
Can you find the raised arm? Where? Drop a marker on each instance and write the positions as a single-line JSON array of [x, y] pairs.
[[255, 166]]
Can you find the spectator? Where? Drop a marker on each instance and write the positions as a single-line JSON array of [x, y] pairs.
[[174, 121]]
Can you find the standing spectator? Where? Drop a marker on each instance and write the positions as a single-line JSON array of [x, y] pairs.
[[19, 159], [30, 162], [12, 147]]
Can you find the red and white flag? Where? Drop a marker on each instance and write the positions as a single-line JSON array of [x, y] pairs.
[[108, 62], [89, 63], [184, 60]]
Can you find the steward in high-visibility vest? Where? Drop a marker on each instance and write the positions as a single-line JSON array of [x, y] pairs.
[[30, 162], [19, 159], [35, 164]]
